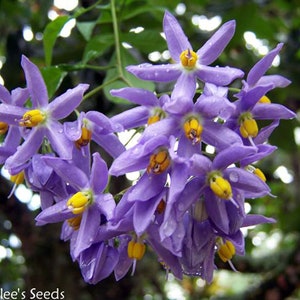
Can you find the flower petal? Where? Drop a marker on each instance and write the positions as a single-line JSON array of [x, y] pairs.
[[272, 111], [218, 75], [176, 38], [251, 185], [99, 174], [231, 155], [260, 68], [35, 83], [59, 142], [136, 95], [24, 152], [68, 172], [159, 73], [66, 103], [212, 49]]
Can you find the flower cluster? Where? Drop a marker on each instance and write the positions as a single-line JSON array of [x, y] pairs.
[[188, 203]]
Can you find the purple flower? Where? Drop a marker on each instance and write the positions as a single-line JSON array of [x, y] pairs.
[[253, 104], [87, 208], [94, 126], [190, 65], [12, 133], [151, 108], [41, 121], [98, 262]]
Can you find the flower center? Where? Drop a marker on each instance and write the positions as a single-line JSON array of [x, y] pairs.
[[226, 251], [3, 127], [264, 99], [248, 126], [188, 59], [86, 136], [220, 186], [159, 162], [193, 130], [32, 118], [75, 222], [156, 116], [79, 202], [18, 178], [136, 250]]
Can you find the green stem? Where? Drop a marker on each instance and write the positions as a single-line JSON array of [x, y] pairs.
[[117, 38], [99, 88]]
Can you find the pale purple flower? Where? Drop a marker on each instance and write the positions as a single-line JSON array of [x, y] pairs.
[[96, 206], [189, 65], [46, 125]]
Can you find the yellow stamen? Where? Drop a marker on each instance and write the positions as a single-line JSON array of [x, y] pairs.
[[32, 118], [18, 178], [86, 136], [3, 127], [159, 162], [226, 251], [75, 222], [79, 202], [193, 130], [188, 59], [264, 99], [258, 172], [248, 126], [161, 207], [156, 116], [136, 250], [220, 186]]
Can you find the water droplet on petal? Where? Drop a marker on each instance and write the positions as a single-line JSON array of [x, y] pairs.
[[234, 177]]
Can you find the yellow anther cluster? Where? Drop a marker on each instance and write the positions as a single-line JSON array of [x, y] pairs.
[[156, 116], [3, 127], [159, 162], [193, 130], [258, 172], [136, 250], [264, 99], [18, 178], [248, 127], [32, 118], [75, 222], [86, 136], [188, 59], [226, 251], [79, 202], [220, 186]]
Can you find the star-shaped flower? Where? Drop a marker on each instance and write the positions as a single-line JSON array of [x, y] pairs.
[[189, 65]]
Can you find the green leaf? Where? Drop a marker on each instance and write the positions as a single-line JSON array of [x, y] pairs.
[[86, 29], [97, 46], [146, 41], [127, 60], [51, 33], [53, 77]]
